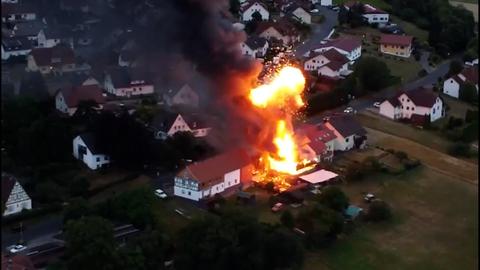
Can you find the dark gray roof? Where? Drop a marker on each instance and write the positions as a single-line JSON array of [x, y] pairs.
[[26, 29], [122, 76], [59, 32], [255, 42], [163, 121], [16, 44], [91, 143], [346, 125]]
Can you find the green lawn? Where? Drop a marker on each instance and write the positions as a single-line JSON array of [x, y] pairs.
[[435, 226]]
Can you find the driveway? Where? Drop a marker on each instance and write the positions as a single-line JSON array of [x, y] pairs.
[[319, 32]]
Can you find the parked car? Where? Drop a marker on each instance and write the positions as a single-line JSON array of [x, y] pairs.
[[369, 197], [349, 110], [376, 104], [160, 193], [277, 207], [16, 248]]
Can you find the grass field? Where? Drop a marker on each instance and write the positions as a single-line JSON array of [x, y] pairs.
[[428, 231]]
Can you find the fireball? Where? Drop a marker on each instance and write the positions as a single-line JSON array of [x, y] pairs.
[[282, 97]]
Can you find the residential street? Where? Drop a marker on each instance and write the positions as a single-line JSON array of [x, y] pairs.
[[34, 234], [319, 31]]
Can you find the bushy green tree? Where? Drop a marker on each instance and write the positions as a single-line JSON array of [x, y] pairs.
[[378, 211], [334, 198]]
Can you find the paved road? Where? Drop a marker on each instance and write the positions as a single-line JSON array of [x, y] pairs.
[[33, 234], [319, 31]]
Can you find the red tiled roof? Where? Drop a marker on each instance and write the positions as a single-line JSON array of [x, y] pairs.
[[471, 74], [283, 26], [396, 39], [334, 65], [55, 56], [346, 43], [423, 97], [212, 170], [16, 262], [334, 56], [74, 95], [16, 8]]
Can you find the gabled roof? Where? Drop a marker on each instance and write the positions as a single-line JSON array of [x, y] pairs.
[[470, 74], [16, 44], [16, 262], [248, 4], [345, 43], [401, 40], [195, 120], [212, 170], [394, 101], [334, 56], [55, 56], [57, 32], [91, 143], [28, 28], [289, 9], [423, 97], [73, 96], [334, 65], [123, 77], [346, 125], [163, 121], [255, 42], [7, 185], [283, 26], [369, 9]]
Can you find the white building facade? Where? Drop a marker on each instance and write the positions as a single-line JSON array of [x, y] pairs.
[[250, 9], [87, 155], [17, 200]]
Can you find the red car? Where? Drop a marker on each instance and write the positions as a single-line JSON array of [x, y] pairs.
[[277, 207]]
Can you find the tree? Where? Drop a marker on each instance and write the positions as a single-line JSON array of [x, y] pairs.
[[79, 187], [459, 149], [342, 15], [455, 68], [320, 224], [281, 250], [372, 74], [234, 7], [90, 244], [76, 209], [287, 219], [49, 192], [152, 246], [468, 93], [378, 211], [334, 198]]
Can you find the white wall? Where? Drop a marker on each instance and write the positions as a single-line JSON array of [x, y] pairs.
[[387, 110], [315, 63], [451, 88], [247, 14], [17, 201], [326, 71], [377, 18], [247, 50], [436, 112], [178, 125], [92, 161]]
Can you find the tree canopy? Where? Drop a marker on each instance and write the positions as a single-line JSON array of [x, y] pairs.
[[334, 198]]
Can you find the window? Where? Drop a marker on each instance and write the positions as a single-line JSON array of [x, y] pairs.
[[412, 108], [189, 193], [183, 191], [98, 159], [433, 110], [346, 139]]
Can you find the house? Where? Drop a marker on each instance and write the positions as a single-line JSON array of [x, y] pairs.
[[222, 174], [166, 124], [320, 140], [14, 197], [254, 46], [472, 63], [249, 8], [349, 133], [32, 30], [416, 105], [397, 45], [182, 96], [281, 30], [328, 63], [57, 60], [67, 100], [324, 3], [86, 149], [352, 212], [20, 46], [298, 12], [12, 12], [17, 262], [127, 82], [452, 85], [50, 37], [370, 13], [349, 46]]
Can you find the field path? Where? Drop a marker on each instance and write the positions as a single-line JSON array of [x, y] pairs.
[[441, 162]]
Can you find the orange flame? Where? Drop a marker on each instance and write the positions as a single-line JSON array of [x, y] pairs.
[[283, 93]]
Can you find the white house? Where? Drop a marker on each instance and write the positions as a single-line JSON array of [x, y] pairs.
[[249, 8], [281, 30], [15, 47], [51, 37], [127, 82], [14, 197], [12, 12], [324, 3], [166, 124], [452, 85], [182, 96], [221, 174], [320, 140], [254, 46], [68, 99], [398, 45], [371, 13], [328, 63], [299, 13], [87, 150], [349, 46], [347, 132], [416, 105]]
